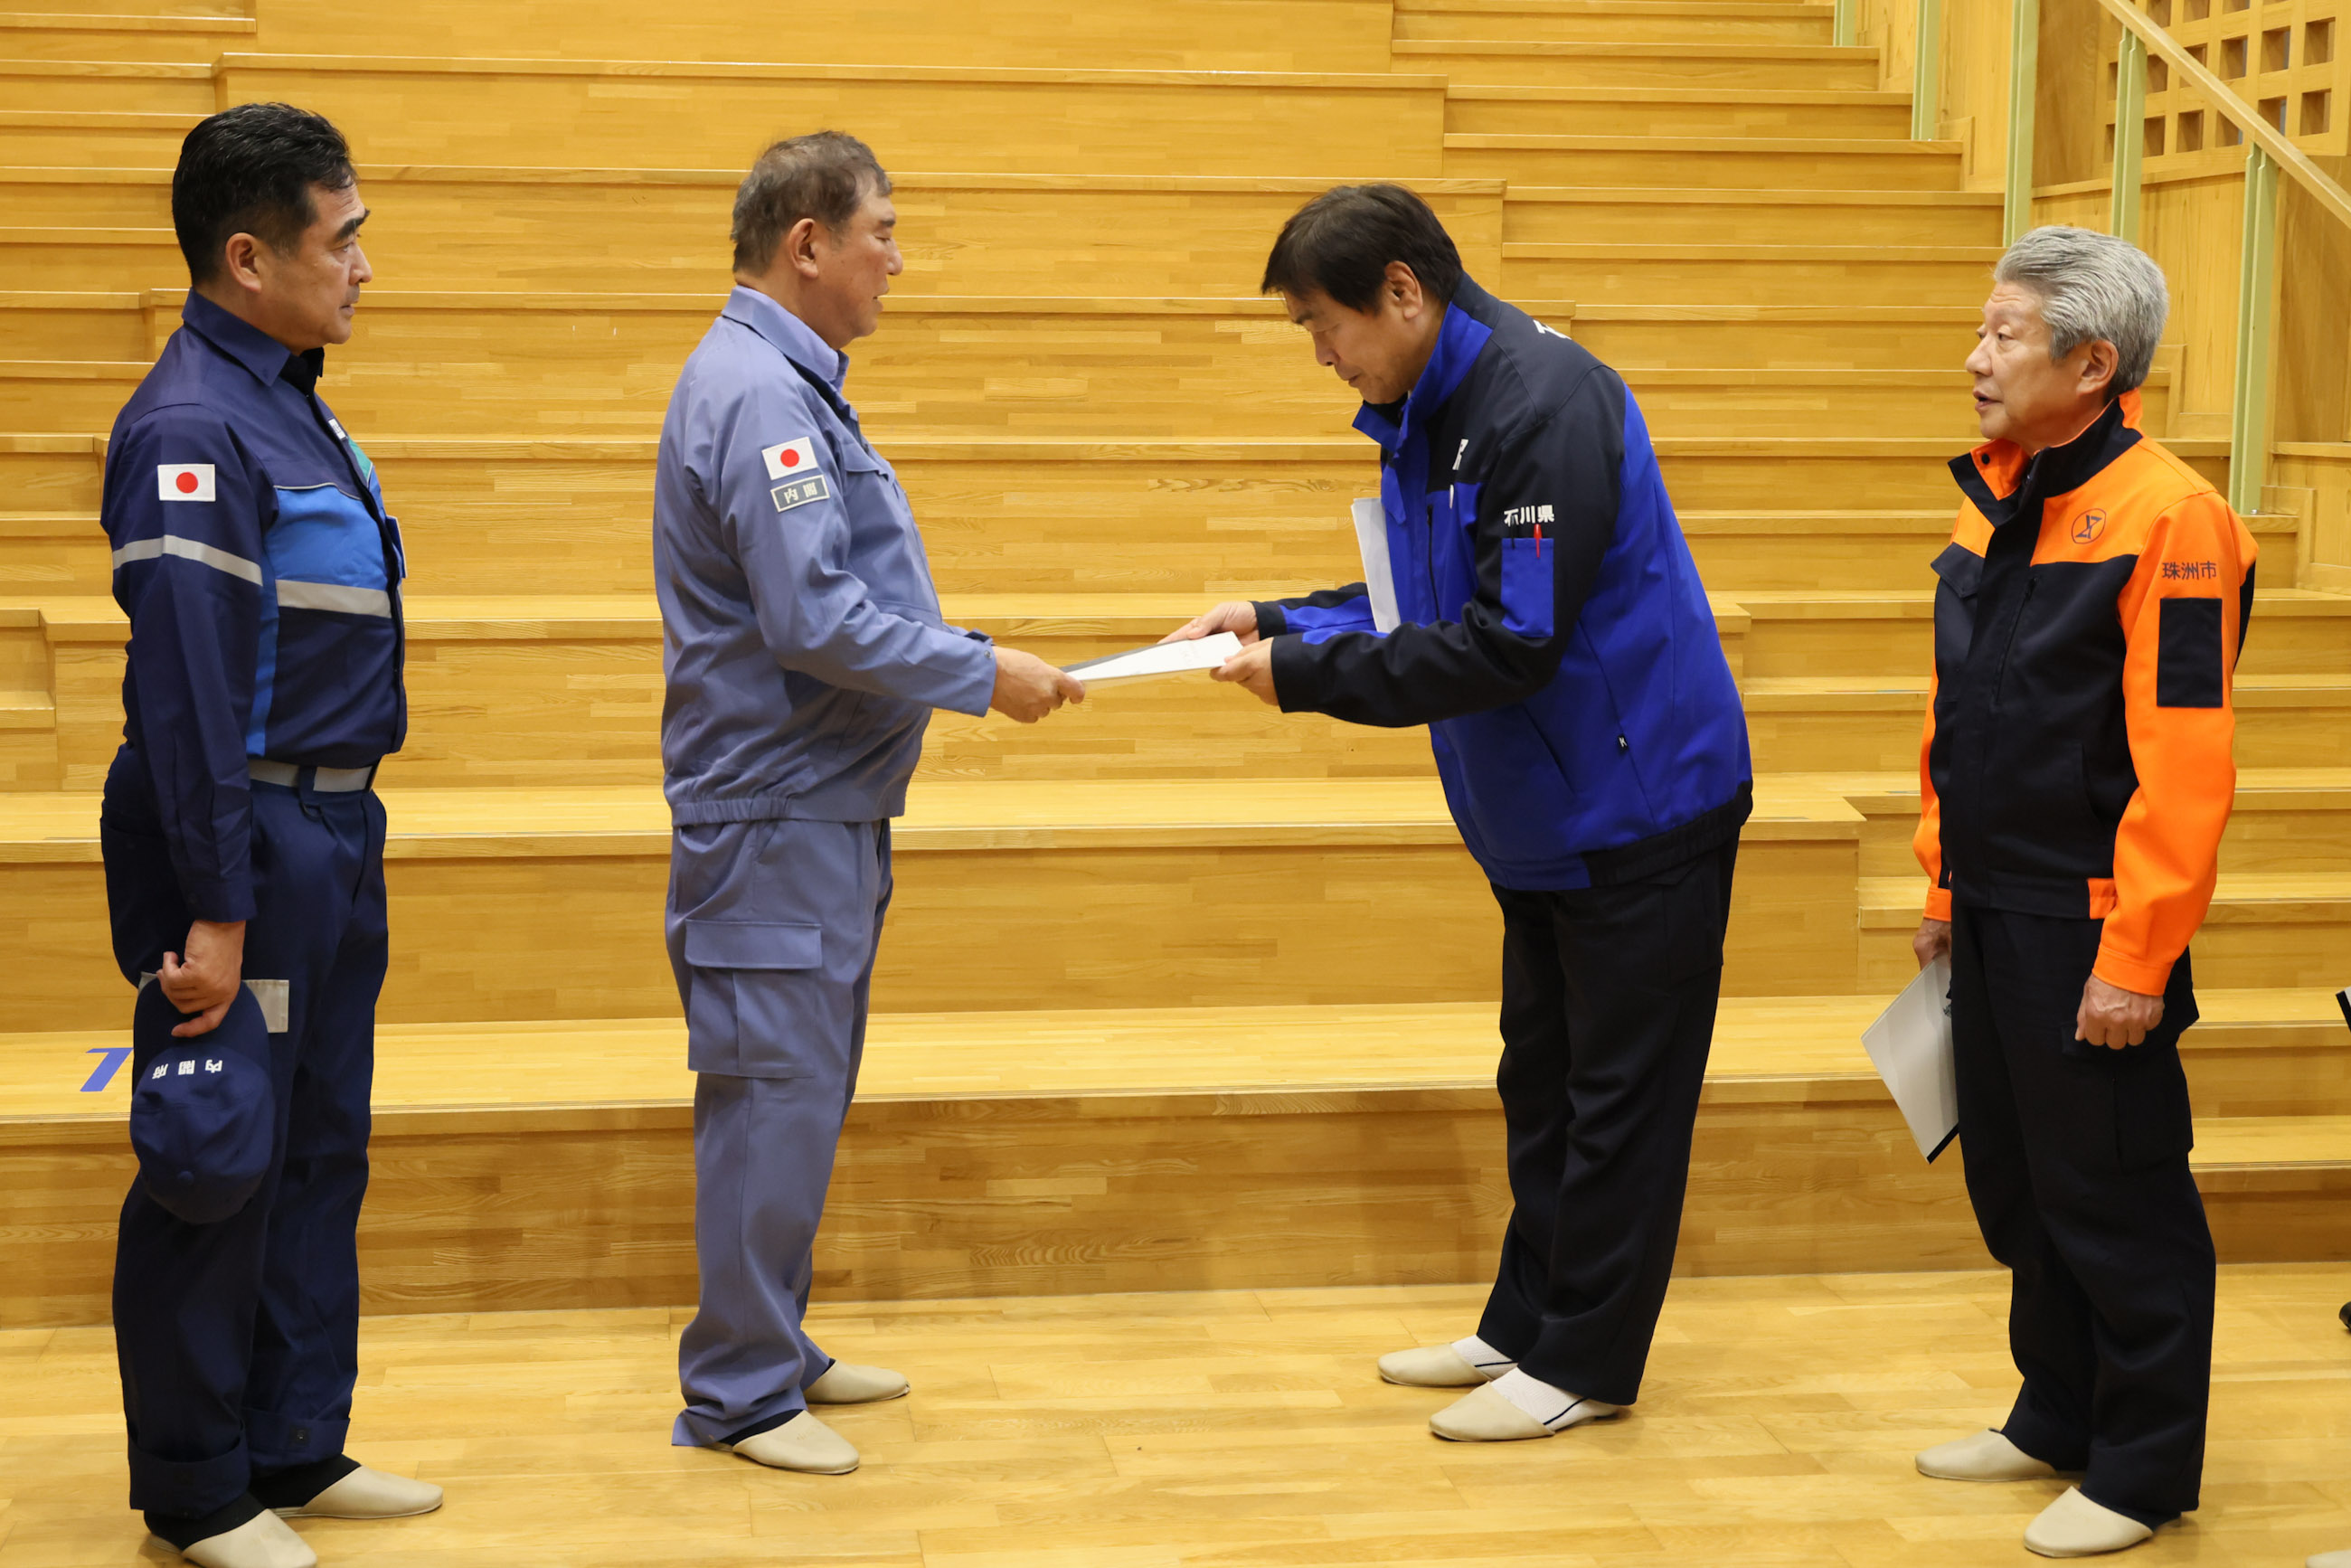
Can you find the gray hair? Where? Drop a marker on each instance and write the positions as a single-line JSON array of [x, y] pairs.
[[826, 176], [2093, 287]]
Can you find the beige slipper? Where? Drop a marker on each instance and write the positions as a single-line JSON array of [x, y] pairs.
[[845, 1384], [2073, 1526], [2328, 1560], [264, 1540], [370, 1494], [1431, 1367], [803, 1443], [1985, 1455]]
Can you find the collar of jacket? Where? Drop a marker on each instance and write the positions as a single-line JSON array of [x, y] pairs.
[[793, 338], [262, 355], [1460, 338], [2004, 484]]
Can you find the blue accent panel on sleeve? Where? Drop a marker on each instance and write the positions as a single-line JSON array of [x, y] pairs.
[[1319, 622], [1528, 575], [325, 535], [264, 674]]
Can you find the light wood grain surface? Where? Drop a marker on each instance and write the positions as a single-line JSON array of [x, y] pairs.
[[1248, 1428]]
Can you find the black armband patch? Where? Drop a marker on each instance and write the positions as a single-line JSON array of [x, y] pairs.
[[2187, 672]]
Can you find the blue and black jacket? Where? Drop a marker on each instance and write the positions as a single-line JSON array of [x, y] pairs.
[[1554, 636], [261, 575]]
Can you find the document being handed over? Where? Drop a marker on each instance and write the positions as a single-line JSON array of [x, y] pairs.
[[1161, 659]]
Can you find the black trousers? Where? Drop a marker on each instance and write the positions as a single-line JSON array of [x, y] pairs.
[[2077, 1165], [1608, 1001]]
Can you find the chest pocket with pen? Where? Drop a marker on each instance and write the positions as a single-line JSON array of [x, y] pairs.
[[1530, 566]]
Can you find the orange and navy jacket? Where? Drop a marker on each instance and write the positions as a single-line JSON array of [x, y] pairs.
[[2092, 605]]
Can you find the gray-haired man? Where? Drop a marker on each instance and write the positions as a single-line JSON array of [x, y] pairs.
[[2075, 781], [804, 651]]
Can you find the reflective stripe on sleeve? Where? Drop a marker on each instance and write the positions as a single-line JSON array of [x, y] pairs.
[[188, 549], [293, 594]]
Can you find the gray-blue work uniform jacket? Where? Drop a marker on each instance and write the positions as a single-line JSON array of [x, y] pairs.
[[800, 632]]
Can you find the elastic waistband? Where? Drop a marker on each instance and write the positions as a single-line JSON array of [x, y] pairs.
[[317, 780]]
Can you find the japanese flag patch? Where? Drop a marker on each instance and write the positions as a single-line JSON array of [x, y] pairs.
[[790, 459], [184, 481]]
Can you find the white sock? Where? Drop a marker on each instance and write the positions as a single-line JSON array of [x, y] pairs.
[[1483, 1356], [1554, 1407]]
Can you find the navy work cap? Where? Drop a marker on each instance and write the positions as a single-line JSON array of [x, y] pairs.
[[202, 1112]]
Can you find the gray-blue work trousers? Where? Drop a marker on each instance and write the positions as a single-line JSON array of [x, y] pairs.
[[772, 930]]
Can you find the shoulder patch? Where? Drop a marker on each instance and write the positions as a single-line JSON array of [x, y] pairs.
[[184, 481], [789, 459], [800, 492]]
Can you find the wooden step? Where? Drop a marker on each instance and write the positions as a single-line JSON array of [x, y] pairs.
[[2265, 928], [1851, 634], [1655, 274], [1718, 164], [1723, 112], [1577, 214], [1875, 721], [544, 690], [105, 86], [1027, 515], [92, 139], [946, 366], [51, 35], [564, 365], [1609, 21], [1093, 894], [65, 394], [1726, 64], [1202, 35], [66, 257], [2285, 819], [549, 1164], [670, 114], [1901, 338], [666, 230]]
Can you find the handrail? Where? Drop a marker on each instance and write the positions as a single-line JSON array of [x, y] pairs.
[[2233, 108]]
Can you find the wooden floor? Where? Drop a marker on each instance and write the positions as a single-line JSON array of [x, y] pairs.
[[1235, 1429]]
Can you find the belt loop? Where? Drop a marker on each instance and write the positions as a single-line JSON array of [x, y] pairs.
[[305, 780]]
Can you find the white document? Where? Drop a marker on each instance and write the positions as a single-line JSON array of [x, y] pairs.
[[1910, 1046], [1379, 580], [1164, 659]]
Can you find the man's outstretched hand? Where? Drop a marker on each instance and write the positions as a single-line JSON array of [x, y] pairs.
[[1238, 616], [1028, 688]]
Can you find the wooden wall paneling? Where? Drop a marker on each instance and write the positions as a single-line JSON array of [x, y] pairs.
[[412, 109], [1177, 34]]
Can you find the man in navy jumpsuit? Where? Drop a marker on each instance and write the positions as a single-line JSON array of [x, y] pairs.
[[243, 843], [1550, 629], [804, 650]]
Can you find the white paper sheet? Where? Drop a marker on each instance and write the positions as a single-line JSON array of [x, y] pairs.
[[1164, 659], [1379, 578], [1910, 1046]]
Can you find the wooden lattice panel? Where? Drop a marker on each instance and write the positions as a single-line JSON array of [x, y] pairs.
[[2285, 56]]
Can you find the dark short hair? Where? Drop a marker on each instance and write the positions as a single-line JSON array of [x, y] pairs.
[[826, 176], [249, 170], [1340, 243]]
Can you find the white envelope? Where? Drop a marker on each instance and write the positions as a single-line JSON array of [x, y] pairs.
[[1163, 659], [1379, 578], [1910, 1046]]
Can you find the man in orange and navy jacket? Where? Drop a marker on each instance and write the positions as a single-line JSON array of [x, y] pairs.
[[2074, 779]]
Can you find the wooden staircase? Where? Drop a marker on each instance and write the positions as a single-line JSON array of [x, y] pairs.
[[1178, 993]]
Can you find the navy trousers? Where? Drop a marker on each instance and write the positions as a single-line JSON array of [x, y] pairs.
[[773, 928], [239, 1342], [2077, 1167], [1608, 1003]]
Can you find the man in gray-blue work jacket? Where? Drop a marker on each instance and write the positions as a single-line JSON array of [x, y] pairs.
[[804, 650]]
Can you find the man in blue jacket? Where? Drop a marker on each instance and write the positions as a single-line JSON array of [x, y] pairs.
[[242, 839], [1550, 630]]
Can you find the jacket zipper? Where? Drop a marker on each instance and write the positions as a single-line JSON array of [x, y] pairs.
[[1999, 680]]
